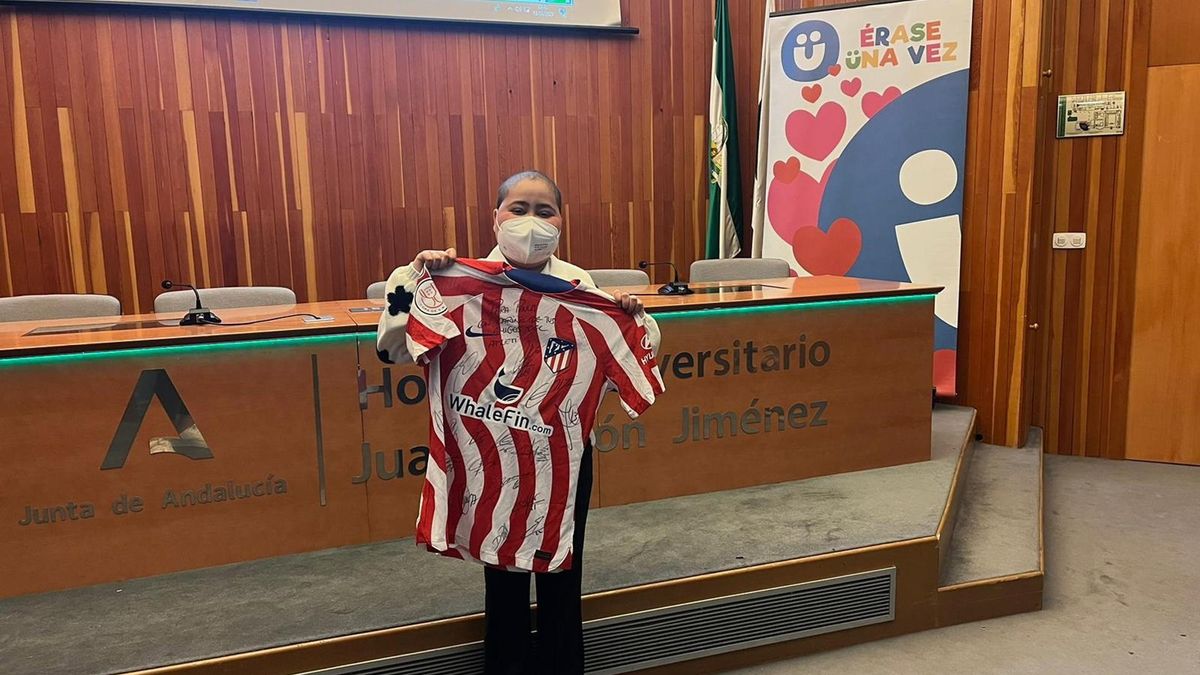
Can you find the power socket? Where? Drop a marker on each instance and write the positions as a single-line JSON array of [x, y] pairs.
[[1070, 240]]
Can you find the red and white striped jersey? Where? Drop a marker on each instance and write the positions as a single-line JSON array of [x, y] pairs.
[[517, 363]]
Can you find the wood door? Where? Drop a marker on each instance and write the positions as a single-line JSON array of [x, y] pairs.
[[1164, 376]]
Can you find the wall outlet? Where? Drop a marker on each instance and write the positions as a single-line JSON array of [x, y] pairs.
[[1070, 240]]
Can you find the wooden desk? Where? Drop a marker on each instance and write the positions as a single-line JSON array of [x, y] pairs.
[[138, 447]]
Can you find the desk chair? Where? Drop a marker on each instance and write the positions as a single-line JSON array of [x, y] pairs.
[[606, 278], [734, 269], [228, 297], [57, 306]]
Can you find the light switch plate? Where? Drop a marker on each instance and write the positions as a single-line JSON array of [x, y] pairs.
[[1070, 240]]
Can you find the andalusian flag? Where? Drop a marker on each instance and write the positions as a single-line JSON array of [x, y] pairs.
[[724, 174], [758, 201]]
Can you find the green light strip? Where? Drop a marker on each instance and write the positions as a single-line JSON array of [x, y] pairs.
[[792, 306], [174, 350], [267, 343]]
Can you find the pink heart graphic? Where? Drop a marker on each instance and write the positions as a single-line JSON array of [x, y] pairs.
[[816, 135], [794, 198], [851, 87], [832, 252], [874, 101]]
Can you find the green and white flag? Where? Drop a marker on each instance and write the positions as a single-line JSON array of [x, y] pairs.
[[758, 203], [724, 174]]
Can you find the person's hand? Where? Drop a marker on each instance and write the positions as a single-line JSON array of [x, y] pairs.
[[433, 260], [630, 303]]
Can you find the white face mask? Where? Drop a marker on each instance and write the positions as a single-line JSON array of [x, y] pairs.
[[527, 240]]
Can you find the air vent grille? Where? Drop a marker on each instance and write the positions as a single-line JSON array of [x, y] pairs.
[[631, 642], [465, 659]]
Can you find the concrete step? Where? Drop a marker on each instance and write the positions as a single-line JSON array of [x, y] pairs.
[[998, 529]]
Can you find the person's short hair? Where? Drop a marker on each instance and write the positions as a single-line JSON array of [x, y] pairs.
[[512, 181]]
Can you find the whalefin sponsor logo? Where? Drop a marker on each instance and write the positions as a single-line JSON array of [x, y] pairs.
[[512, 418], [506, 392]]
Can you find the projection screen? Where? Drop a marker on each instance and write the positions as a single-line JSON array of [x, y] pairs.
[[587, 13]]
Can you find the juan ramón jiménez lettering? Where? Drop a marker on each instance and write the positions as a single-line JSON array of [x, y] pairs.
[[700, 425]]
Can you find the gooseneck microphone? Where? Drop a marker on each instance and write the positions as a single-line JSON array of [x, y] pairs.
[[197, 316], [673, 287]]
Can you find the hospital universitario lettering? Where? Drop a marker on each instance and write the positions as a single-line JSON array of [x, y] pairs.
[[697, 423]]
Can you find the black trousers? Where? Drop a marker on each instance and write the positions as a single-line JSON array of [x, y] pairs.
[[559, 648]]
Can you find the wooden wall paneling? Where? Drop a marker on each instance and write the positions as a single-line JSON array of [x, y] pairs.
[[1085, 306], [1164, 374], [994, 333], [1036, 122], [1038, 279], [1173, 33], [1137, 42], [318, 152]]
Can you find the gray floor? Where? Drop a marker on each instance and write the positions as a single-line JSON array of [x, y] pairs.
[[191, 615], [1122, 588], [997, 529]]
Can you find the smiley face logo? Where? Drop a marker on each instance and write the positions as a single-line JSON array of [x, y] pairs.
[[808, 51]]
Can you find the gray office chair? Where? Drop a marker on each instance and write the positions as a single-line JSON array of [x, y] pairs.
[[606, 278], [57, 306], [377, 290], [733, 269], [228, 297]]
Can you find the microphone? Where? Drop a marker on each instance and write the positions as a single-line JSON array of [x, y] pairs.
[[197, 316], [673, 287]]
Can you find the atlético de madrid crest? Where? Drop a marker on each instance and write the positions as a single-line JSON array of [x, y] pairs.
[[559, 354]]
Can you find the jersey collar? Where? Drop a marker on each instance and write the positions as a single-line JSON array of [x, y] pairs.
[[541, 281]]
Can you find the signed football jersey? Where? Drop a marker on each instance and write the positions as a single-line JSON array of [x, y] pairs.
[[517, 363]]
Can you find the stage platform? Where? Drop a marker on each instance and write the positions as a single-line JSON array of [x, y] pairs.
[[381, 601]]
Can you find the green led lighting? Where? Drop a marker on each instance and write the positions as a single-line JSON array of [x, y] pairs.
[[174, 350], [792, 306], [269, 343]]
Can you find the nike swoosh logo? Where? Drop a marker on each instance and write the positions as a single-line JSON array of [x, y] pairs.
[[475, 333]]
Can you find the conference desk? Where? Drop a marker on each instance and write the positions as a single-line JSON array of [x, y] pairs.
[[133, 446]]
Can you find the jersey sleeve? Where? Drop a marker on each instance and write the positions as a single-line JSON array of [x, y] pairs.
[[414, 324], [391, 340], [630, 366]]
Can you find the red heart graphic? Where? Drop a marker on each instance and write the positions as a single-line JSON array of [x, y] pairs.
[[945, 362], [816, 135], [851, 87], [794, 198], [832, 252], [787, 171], [835, 69], [811, 93], [874, 101]]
